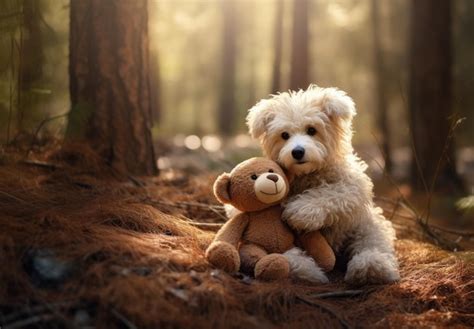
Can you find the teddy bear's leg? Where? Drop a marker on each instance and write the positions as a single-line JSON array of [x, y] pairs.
[[223, 255], [272, 267], [250, 254], [315, 245], [373, 255]]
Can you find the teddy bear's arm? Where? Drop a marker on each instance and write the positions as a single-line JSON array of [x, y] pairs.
[[323, 206], [316, 245], [222, 252], [232, 231]]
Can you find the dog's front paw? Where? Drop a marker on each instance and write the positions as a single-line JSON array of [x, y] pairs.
[[372, 267], [302, 218]]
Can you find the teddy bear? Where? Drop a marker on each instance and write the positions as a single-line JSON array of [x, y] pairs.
[[308, 132], [256, 239]]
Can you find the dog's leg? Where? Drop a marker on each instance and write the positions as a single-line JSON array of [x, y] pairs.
[[373, 255]]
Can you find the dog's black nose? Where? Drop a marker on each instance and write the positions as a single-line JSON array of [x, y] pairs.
[[298, 153], [273, 177]]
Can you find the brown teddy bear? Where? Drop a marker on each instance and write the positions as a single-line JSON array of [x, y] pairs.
[[256, 239]]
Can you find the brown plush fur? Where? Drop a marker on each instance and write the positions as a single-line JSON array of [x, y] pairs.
[[258, 233]]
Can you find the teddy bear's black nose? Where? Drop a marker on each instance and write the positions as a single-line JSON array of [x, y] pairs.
[[298, 153], [272, 177]]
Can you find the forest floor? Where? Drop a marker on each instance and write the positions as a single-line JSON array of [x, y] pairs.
[[83, 246]]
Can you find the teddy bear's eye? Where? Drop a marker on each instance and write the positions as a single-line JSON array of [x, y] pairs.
[[311, 131], [285, 135], [254, 177], [270, 170]]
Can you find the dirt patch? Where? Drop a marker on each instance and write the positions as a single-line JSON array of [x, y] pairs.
[[124, 252]]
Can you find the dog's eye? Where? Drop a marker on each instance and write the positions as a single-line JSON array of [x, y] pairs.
[[285, 135], [311, 131], [270, 170], [254, 177]]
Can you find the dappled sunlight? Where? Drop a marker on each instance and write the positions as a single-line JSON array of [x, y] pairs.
[[122, 127]]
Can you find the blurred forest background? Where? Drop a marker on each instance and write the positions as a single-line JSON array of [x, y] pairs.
[[199, 65]]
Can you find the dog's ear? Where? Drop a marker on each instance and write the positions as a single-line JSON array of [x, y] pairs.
[[337, 105], [259, 117], [221, 188]]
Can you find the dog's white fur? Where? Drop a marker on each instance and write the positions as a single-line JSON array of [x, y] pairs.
[[330, 190], [304, 267]]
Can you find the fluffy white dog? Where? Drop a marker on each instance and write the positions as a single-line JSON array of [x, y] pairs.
[[309, 133]]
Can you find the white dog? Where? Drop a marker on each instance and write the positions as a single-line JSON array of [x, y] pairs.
[[309, 134]]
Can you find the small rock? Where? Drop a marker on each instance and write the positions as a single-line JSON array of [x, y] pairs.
[[82, 318], [141, 271], [216, 274], [247, 280], [195, 277], [45, 269]]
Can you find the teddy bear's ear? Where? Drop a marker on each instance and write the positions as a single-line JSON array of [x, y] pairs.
[[259, 117], [221, 188], [337, 105]]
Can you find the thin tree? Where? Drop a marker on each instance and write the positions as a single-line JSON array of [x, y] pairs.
[[31, 58], [380, 91], [299, 47], [253, 55], [109, 82], [155, 89], [226, 111], [277, 44], [430, 96]]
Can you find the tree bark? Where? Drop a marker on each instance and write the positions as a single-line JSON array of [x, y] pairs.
[[226, 111], [431, 95], [300, 53], [277, 41], [109, 82], [380, 91]]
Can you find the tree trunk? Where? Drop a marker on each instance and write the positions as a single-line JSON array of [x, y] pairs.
[[277, 41], [430, 95], [31, 59], [299, 54], [227, 100], [380, 91], [109, 82]]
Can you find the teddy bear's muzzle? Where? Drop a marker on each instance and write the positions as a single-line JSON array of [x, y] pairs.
[[270, 188]]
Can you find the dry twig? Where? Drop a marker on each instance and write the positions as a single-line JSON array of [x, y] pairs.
[[29, 321], [124, 320], [339, 294]]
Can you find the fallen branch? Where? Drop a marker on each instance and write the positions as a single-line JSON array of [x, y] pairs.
[[339, 294], [29, 321], [207, 226], [41, 164]]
